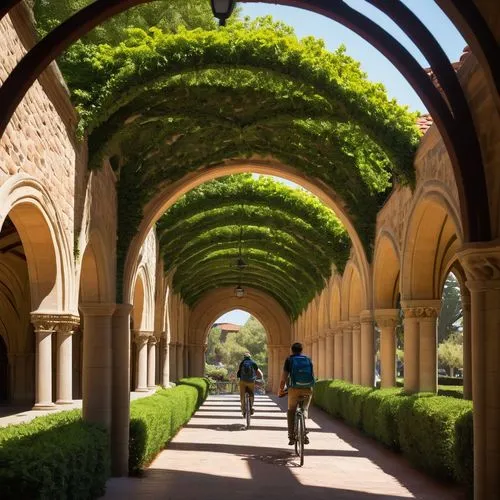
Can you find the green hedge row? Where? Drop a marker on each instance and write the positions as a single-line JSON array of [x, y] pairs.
[[155, 420], [442, 380], [434, 432], [55, 456]]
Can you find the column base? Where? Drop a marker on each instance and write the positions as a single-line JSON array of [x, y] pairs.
[[151, 387], [44, 406], [141, 389], [64, 402]]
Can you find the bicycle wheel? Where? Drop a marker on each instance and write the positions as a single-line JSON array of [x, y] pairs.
[[299, 443], [248, 413]]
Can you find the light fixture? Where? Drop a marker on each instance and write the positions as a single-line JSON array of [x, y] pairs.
[[222, 9], [239, 291]]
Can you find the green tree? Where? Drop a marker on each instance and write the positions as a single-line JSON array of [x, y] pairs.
[[166, 15], [451, 352], [229, 352], [451, 309]]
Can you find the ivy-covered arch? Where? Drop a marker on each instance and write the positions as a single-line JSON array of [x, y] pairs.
[[287, 239], [163, 105]]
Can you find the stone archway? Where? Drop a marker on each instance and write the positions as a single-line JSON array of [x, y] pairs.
[[267, 310], [425, 262], [386, 271], [174, 191]]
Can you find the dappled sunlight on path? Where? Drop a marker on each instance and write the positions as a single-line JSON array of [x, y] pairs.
[[215, 457]]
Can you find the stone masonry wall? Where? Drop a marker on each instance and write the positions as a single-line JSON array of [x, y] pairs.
[[38, 141]]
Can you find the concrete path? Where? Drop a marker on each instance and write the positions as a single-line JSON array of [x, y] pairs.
[[214, 457]]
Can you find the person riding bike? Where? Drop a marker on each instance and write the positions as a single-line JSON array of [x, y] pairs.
[[298, 376], [247, 373]]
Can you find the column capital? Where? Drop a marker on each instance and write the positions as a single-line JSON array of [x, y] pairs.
[[421, 308], [355, 326], [141, 338], [481, 263], [386, 318], [52, 322], [97, 308], [366, 316], [152, 340], [122, 309]]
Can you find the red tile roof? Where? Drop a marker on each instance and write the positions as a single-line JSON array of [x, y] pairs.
[[424, 122], [227, 327]]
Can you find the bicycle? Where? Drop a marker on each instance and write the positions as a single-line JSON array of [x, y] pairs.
[[299, 427], [248, 408]]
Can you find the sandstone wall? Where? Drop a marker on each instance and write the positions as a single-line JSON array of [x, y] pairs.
[[40, 139]]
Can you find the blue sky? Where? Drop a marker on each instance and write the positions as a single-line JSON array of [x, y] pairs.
[[377, 67]]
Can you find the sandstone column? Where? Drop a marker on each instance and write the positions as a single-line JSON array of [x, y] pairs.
[[120, 390], [411, 349], [356, 350], [482, 267], [152, 362], [64, 384], [338, 352], [141, 340], [44, 328], [347, 352], [466, 323], [322, 355], [329, 354], [367, 349], [97, 362], [315, 354], [428, 315], [165, 372], [270, 364], [180, 360], [277, 368], [387, 321], [172, 348]]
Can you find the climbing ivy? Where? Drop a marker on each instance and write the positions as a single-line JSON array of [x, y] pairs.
[[287, 238], [159, 105]]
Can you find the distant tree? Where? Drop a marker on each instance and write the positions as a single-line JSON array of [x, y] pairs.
[[451, 352], [451, 309], [229, 352]]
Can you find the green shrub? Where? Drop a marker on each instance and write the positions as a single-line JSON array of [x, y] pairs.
[[155, 420], [442, 380], [464, 455], [435, 432], [427, 433], [456, 392], [58, 456]]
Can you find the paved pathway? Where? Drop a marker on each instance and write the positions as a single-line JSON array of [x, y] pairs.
[[214, 457], [19, 414]]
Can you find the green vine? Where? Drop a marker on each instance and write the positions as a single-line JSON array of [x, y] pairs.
[[287, 238], [169, 104]]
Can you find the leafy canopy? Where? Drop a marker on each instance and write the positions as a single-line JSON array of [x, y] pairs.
[[287, 238]]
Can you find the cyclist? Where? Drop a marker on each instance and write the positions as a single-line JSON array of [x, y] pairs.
[[298, 376], [247, 373]]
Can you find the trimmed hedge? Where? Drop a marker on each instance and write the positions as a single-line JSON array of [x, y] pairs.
[[54, 456], [434, 432], [155, 420], [450, 381]]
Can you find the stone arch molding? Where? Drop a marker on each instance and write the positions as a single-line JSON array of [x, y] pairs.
[[425, 257], [144, 319], [95, 271], [217, 302], [171, 193], [45, 241]]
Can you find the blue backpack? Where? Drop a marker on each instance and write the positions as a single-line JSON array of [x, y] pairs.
[[247, 370], [301, 372]]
